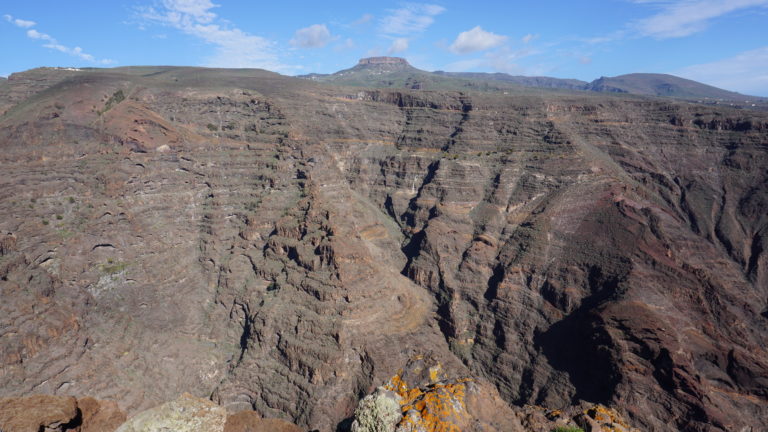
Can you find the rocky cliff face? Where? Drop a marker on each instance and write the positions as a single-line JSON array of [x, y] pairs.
[[383, 60], [284, 246]]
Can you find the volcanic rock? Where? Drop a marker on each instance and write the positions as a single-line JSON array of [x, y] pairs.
[[421, 397], [382, 60], [287, 246], [185, 414], [250, 421], [38, 413], [99, 416]]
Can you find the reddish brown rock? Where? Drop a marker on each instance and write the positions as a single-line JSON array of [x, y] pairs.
[[99, 416], [38, 413], [250, 421], [7, 244]]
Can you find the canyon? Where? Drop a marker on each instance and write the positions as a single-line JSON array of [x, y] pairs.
[[287, 246]]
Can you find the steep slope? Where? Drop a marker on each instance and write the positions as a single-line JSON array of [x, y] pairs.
[[277, 244]]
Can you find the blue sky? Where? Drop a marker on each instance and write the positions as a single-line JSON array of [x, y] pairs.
[[719, 42]]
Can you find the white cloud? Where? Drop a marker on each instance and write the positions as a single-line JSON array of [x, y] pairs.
[[197, 10], [685, 17], [476, 39], [52, 43], [34, 34], [746, 72], [529, 37], [234, 47], [410, 19], [398, 45], [314, 36], [19, 22]]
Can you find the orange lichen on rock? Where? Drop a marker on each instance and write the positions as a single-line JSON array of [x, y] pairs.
[[438, 407]]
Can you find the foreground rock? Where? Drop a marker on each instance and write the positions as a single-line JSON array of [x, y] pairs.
[[250, 421], [58, 413], [422, 397], [185, 414], [192, 414], [35, 413]]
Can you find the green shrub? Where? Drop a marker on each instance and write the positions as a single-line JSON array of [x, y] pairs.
[[115, 99], [113, 268], [567, 429]]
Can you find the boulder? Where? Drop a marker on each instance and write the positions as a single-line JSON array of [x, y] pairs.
[[38, 413], [99, 416], [250, 421], [185, 414]]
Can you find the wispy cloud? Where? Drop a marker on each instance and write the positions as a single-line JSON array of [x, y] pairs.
[[475, 40], [410, 19], [51, 43], [685, 17], [234, 47], [529, 37], [362, 20], [504, 60], [398, 45], [19, 22], [746, 72], [314, 36], [346, 45]]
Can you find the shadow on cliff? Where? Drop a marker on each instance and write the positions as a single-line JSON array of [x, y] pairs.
[[580, 345]]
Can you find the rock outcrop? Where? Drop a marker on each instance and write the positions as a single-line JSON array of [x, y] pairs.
[[36, 413], [99, 416], [424, 398], [59, 414], [185, 414], [382, 60], [250, 421]]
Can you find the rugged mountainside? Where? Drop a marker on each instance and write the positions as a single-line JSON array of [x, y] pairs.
[[277, 244]]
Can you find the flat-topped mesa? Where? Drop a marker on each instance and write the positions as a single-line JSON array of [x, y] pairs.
[[383, 61]]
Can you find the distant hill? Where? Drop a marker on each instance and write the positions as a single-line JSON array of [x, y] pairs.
[[395, 72], [661, 85], [526, 81]]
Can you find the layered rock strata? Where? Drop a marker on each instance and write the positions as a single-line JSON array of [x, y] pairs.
[[286, 247]]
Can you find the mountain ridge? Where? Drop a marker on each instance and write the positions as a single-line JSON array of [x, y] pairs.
[[400, 73]]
